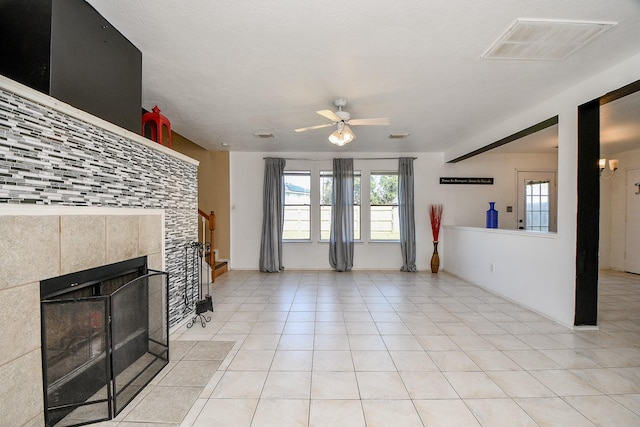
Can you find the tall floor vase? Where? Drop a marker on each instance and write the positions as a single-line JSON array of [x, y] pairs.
[[435, 258]]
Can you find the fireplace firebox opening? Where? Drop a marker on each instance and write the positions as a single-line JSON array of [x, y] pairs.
[[105, 335]]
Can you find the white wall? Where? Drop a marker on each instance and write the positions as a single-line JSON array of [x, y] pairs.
[[463, 204], [471, 201], [515, 264], [613, 211], [556, 298], [247, 169], [552, 293]]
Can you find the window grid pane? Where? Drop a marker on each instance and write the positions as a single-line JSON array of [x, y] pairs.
[[384, 222], [537, 205], [326, 195], [297, 209]]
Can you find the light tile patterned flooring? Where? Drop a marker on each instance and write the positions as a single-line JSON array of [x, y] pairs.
[[375, 348]]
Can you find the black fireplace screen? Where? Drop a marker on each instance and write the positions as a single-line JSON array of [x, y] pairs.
[[99, 351]]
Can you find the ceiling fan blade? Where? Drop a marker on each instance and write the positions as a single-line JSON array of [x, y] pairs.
[[313, 127], [383, 121], [329, 115]]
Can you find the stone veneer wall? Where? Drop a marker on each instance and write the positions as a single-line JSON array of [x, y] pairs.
[[51, 158], [69, 171]]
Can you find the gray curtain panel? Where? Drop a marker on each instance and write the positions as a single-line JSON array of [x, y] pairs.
[[341, 240], [406, 214], [272, 216]]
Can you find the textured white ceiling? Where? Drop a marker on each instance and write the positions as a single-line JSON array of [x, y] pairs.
[[224, 70], [620, 125]]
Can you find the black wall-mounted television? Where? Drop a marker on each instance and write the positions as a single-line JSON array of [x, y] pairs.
[[66, 49]]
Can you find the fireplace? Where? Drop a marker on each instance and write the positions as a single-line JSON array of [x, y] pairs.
[[79, 193], [105, 335]]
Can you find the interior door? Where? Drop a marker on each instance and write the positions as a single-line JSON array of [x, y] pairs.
[[632, 222], [537, 201]]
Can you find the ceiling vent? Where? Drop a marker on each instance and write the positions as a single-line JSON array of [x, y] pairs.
[[544, 40], [263, 135], [399, 135]]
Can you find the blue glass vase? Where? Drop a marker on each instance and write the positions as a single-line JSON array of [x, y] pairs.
[[492, 216]]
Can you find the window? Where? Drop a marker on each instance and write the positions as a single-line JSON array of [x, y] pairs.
[[297, 205], [537, 205], [384, 206], [326, 195], [537, 201]]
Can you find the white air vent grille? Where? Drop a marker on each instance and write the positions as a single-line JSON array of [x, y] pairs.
[[544, 40], [263, 135], [399, 135]]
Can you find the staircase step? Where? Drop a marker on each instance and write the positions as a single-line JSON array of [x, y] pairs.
[[221, 267]]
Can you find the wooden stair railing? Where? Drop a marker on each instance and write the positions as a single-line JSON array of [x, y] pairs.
[[211, 221], [217, 267]]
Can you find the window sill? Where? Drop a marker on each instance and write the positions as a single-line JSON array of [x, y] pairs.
[[318, 241], [327, 241]]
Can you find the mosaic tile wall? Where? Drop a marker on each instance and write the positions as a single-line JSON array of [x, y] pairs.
[[49, 158]]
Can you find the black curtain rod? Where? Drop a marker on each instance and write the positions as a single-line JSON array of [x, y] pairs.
[[354, 158]]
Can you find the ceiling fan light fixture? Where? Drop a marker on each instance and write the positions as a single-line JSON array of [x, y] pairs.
[[336, 140], [341, 136]]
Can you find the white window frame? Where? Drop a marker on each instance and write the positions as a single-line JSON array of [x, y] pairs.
[[371, 206], [308, 205], [524, 176], [357, 217]]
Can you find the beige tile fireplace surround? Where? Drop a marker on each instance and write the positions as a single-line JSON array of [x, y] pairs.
[[41, 242]]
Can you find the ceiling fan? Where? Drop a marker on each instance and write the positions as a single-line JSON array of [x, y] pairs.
[[341, 119]]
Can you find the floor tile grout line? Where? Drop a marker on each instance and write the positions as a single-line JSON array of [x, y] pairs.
[[424, 349]]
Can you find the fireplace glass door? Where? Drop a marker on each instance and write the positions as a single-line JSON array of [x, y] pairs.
[[139, 334], [77, 362]]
